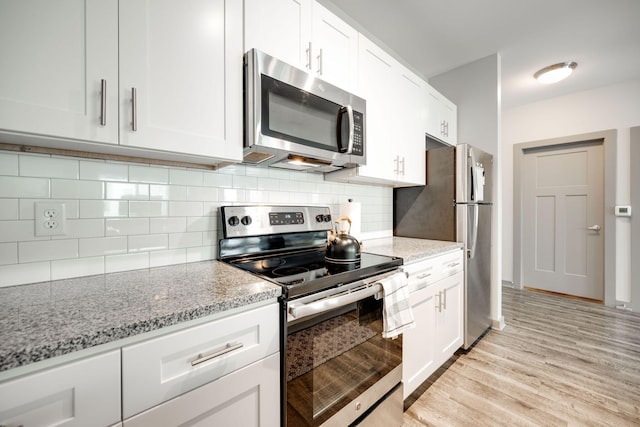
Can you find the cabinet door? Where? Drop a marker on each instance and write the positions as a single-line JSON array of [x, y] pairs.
[[410, 124], [335, 49], [82, 393], [419, 343], [376, 76], [184, 61], [280, 28], [247, 397], [54, 56], [449, 321]]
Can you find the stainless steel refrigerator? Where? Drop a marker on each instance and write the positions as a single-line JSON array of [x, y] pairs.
[[455, 205]]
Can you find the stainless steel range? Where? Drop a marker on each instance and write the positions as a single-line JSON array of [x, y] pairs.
[[337, 369]]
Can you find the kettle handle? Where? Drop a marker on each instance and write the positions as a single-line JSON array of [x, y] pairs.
[[344, 218]]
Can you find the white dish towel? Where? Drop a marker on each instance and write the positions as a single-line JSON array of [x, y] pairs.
[[397, 315]]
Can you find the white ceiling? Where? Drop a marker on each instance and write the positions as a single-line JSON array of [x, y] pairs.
[[435, 36]]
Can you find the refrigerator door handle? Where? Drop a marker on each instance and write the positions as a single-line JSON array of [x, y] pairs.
[[473, 182], [473, 231]]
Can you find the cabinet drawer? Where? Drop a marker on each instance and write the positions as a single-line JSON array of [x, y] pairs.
[[428, 271], [247, 397], [82, 393], [157, 370]]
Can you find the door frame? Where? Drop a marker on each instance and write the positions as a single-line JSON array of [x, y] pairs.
[[608, 138]]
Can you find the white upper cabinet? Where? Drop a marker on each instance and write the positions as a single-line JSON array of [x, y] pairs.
[[181, 76], [442, 116], [306, 35], [395, 122], [54, 58], [69, 69]]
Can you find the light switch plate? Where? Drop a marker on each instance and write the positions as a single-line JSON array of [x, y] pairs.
[[51, 219], [623, 210]]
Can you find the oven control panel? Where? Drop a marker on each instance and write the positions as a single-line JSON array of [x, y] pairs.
[[243, 221]]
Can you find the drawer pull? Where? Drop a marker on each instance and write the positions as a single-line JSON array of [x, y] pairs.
[[453, 264], [227, 349], [423, 276]]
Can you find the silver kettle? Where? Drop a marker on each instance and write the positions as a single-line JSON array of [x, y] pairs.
[[341, 246]]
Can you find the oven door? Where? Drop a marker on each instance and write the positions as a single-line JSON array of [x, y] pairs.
[[337, 366]]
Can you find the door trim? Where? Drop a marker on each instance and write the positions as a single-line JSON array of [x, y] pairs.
[[608, 138]]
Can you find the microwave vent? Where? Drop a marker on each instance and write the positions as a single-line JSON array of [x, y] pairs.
[[256, 158]]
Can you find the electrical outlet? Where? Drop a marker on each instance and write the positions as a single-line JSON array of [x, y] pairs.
[[51, 219]]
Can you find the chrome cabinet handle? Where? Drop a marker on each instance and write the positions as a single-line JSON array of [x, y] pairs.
[[11, 425], [309, 55], [103, 104], [402, 171], [594, 228], [444, 305], [134, 107], [439, 305], [423, 276], [227, 349], [320, 62]]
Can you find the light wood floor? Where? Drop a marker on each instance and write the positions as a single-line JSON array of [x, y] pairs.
[[558, 362]]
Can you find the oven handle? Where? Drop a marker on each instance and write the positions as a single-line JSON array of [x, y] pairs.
[[335, 302]]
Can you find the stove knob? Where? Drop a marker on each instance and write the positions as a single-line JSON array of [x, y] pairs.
[[246, 220], [319, 218], [233, 221], [327, 218]]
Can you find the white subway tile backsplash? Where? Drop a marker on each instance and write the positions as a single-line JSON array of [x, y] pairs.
[[160, 258], [185, 177], [49, 167], [185, 208], [202, 194], [18, 274], [150, 242], [78, 228], [202, 253], [214, 179], [248, 182], [9, 209], [67, 268], [203, 223], [12, 187], [19, 231], [103, 171], [103, 208], [126, 226], [127, 191], [9, 164], [46, 250], [8, 253], [151, 175], [103, 246], [76, 189], [124, 216], [167, 192], [114, 263], [185, 240], [148, 209], [167, 225]]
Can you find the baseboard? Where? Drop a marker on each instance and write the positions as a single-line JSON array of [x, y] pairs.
[[498, 324]]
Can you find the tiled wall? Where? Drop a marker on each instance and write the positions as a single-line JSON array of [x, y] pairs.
[[125, 216]]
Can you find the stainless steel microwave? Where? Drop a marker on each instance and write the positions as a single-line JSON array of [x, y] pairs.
[[293, 120]]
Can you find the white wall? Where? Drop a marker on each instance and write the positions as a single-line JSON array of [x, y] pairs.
[[125, 216], [612, 107], [475, 89]]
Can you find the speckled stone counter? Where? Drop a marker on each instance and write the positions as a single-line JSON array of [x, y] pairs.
[[408, 249], [42, 320]]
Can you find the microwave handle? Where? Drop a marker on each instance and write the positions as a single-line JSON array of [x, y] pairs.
[[341, 146]]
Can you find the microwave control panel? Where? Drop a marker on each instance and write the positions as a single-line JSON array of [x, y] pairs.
[[358, 134]]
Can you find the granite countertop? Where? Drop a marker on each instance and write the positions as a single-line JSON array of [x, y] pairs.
[[409, 249], [42, 320]]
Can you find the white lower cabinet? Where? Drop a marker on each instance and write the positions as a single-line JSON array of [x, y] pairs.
[[162, 368], [81, 393], [436, 294], [247, 397]]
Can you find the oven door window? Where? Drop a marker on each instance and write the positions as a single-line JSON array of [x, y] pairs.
[[291, 114], [331, 360]]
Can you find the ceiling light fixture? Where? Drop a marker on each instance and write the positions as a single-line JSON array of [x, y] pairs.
[[556, 72]]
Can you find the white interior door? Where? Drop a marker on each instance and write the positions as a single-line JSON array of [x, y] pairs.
[[563, 219]]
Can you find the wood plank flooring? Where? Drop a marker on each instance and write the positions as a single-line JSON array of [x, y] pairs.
[[558, 362]]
